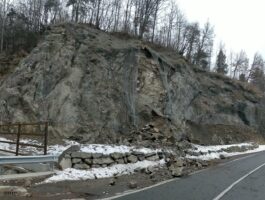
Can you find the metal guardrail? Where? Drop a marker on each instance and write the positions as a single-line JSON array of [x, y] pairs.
[[8, 160]]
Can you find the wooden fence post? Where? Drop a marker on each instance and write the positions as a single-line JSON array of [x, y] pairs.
[[18, 139], [46, 138]]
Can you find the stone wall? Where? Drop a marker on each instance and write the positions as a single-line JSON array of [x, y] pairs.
[[82, 160]]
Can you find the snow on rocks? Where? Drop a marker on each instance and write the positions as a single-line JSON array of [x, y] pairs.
[[95, 173], [88, 148], [221, 151]]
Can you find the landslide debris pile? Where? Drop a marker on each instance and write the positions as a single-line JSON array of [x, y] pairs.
[[97, 87]]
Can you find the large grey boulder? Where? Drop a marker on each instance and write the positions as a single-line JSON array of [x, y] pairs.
[[64, 159], [65, 163]]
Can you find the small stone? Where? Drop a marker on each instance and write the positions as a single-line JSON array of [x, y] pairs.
[[97, 155], [120, 161], [161, 155], [204, 164], [137, 153], [117, 156], [89, 161], [199, 165], [125, 160], [150, 154], [222, 156], [95, 166], [116, 175], [112, 182], [149, 170], [156, 130], [102, 161], [81, 155], [153, 158], [152, 176], [132, 159], [137, 170], [177, 172], [27, 183], [133, 184], [141, 157], [76, 160], [81, 166]]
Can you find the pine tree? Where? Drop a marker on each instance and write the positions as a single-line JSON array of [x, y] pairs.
[[221, 65]]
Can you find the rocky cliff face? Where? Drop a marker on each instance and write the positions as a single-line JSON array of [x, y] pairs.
[[98, 87]]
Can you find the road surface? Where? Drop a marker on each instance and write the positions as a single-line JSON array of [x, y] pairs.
[[240, 179]]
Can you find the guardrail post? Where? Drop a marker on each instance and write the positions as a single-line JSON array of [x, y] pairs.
[[18, 138], [46, 138]]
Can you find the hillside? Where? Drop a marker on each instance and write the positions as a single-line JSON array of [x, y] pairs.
[[102, 88]]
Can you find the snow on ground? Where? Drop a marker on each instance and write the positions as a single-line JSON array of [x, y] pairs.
[[108, 149], [99, 148], [88, 148], [214, 152], [115, 170], [5, 146]]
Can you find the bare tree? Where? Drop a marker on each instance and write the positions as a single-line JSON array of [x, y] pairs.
[[144, 9], [158, 3], [240, 65], [127, 13], [204, 46], [193, 37], [78, 7], [3, 24]]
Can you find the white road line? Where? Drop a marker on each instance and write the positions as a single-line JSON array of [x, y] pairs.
[[242, 158], [236, 182], [140, 190]]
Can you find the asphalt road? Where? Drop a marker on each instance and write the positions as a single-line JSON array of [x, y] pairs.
[[240, 179]]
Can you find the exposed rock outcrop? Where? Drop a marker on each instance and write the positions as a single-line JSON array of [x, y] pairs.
[[96, 87]]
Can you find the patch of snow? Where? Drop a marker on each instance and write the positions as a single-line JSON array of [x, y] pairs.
[[206, 149], [115, 170], [88, 148], [214, 152], [6, 146], [108, 149], [99, 148]]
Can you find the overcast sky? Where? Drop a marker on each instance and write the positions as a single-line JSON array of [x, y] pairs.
[[240, 24]]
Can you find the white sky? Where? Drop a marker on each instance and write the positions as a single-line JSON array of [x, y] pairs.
[[240, 24]]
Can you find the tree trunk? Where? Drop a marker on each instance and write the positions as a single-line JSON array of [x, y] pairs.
[[97, 17], [77, 12], [154, 25], [3, 27]]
